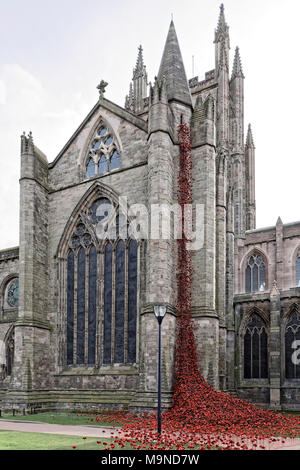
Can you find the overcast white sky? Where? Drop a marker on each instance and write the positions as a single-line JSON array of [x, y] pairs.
[[54, 53]]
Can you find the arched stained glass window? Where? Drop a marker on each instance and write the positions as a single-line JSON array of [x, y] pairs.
[[103, 150], [255, 349], [292, 346], [101, 298], [255, 274]]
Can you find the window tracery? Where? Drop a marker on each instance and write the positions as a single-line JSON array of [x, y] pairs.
[[101, 290], [255, 275], [103, 155], [255, 349]]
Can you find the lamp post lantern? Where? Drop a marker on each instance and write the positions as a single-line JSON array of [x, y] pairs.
[[160, 312]]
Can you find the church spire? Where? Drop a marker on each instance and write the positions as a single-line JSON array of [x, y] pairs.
[[172, 68], [237, 70]]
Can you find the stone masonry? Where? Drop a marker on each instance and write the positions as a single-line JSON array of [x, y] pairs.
[[55, 196]]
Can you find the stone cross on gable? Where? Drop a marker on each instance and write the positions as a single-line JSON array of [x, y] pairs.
[[101, 87]]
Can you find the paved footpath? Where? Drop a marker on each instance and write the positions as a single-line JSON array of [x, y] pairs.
[[34, 426], [99, 431]]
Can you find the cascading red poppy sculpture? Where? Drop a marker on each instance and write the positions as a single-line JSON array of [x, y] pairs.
[[199, 417]]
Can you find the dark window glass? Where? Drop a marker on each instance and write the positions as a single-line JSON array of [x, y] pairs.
[[132, 300], [298, 272], [292, 336], [92, 305], [120, 303], [115, 161], [109, 140], [102, 165], [90, 168], [255, 354], [13, 293], [10, 351], [264, 354], [247, 355], [70, 309], [248, 279], [255, 278], [102, 132], [100, 209], [255, 274], [81, 306], [96, 145], [255, 350], [107, 304]]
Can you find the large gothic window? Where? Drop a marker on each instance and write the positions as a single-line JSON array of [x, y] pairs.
[[292, 346], [101, 301], [255, 349], [103, 155], [255, 275]]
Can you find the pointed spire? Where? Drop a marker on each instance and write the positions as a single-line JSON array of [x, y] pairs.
[[139, 70], [237, 71], [279, 222], [134, 102], [249, 140], [222, 28], [172, 68]]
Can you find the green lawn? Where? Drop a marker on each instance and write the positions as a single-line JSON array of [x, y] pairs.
[[17, 440], [61, 418]]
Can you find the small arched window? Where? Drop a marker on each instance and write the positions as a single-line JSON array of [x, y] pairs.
[[292, 346], [255, 349], [255, 275], [104, 152]]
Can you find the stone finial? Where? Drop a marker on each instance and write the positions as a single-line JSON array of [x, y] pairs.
[[101, 87], [237, 71], [140, 69], [222, 28], [279, 222], [249, 140]]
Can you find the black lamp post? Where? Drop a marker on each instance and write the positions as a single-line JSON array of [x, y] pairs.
[[160, 312]]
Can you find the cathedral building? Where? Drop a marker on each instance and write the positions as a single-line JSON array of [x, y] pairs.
[[77, 328]]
